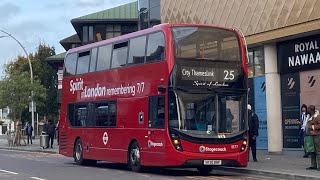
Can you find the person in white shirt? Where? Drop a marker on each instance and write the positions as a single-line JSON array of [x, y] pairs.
[[303, 122]]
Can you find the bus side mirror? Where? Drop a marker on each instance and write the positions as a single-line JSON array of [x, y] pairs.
[[161, 88]]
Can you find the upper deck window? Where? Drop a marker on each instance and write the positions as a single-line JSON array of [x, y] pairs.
[[83, 62], [155, 50], [104, 57], [206, 43], [119, 55], [137, 50], [70, 64]]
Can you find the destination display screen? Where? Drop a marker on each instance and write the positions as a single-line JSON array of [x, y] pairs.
[[201, 73]]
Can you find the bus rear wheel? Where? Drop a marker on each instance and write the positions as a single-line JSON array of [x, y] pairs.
[[78, 155], [134, 158], [204, 170]]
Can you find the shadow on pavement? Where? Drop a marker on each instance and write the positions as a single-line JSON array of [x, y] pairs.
[[160, 171]]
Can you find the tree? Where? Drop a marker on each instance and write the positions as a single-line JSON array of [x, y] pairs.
[[44, 73], [15, 92]]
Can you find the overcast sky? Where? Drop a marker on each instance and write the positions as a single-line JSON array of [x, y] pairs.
[[35, 21]]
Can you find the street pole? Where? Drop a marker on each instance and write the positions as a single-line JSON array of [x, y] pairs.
[[31, 74]]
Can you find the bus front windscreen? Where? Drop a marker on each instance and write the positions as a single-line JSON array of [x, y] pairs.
[[206, 115]]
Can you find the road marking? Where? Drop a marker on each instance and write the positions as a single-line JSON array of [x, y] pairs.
[[36, 178], [8, 171]]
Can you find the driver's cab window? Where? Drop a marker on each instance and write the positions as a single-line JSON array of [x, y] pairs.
[[156, 112]]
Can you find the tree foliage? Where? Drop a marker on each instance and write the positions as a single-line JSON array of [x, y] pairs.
[[15, 92], [18, 87]]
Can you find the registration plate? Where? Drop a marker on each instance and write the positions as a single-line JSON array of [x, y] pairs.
[[212, 162]]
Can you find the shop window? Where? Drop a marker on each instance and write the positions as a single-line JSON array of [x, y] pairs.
[[250, 64], [256, 66]]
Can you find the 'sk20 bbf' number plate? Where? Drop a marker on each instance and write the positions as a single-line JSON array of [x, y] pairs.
[[212, 162]]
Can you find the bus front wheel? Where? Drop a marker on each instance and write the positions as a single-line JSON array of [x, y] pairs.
[[134, 157], [205, 170]]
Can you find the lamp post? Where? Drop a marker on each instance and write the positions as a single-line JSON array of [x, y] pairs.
[[31, 74]]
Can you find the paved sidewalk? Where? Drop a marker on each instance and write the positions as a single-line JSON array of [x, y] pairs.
[[288, 165], [35, 146]]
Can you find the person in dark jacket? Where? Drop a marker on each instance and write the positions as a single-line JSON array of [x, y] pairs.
[[29, 130], [50, 129], [253, 121]]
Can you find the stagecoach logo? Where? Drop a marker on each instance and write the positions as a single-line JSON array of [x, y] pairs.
[[203, 149], [105, 138], [153, 144]]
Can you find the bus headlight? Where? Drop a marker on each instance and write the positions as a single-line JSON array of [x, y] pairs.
[[176, 142], [244, 144]]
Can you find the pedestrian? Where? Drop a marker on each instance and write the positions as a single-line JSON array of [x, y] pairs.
[[50, 129], [303, 122], [313, 130], [253, 132], [29, 130]]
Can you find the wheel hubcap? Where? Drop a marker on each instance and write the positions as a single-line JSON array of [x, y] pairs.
[[78, 152], [135, 156]]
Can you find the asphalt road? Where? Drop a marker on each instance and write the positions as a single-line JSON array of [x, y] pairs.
[[15, 165]]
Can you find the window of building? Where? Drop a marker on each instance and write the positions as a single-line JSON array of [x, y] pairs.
[[93, 60], [87, 33], [119, 55], [113, 31], [156, 112], [250, 64], [155, 49], [104, 57], [128, 29], [137, 50], [256, 66], [154, 12], [83, 62], [70, 64], [144, 14]]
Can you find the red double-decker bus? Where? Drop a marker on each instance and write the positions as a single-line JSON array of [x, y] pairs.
[[171, 95]]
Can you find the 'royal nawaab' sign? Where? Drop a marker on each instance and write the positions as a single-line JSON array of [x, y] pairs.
[[299, 54]]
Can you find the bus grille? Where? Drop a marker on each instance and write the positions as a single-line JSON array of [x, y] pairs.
[[63, 140]]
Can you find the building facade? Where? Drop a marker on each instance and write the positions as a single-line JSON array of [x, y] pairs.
[[284, 62]]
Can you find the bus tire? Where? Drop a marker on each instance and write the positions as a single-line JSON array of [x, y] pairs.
[[135, 158], [78, 152], [204, 170]]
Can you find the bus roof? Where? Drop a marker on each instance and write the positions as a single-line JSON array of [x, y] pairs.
[[134, 34]]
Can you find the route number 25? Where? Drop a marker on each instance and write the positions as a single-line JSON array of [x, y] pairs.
[[228, 75]]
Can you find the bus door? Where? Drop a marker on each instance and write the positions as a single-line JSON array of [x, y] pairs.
[[156, 131]]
